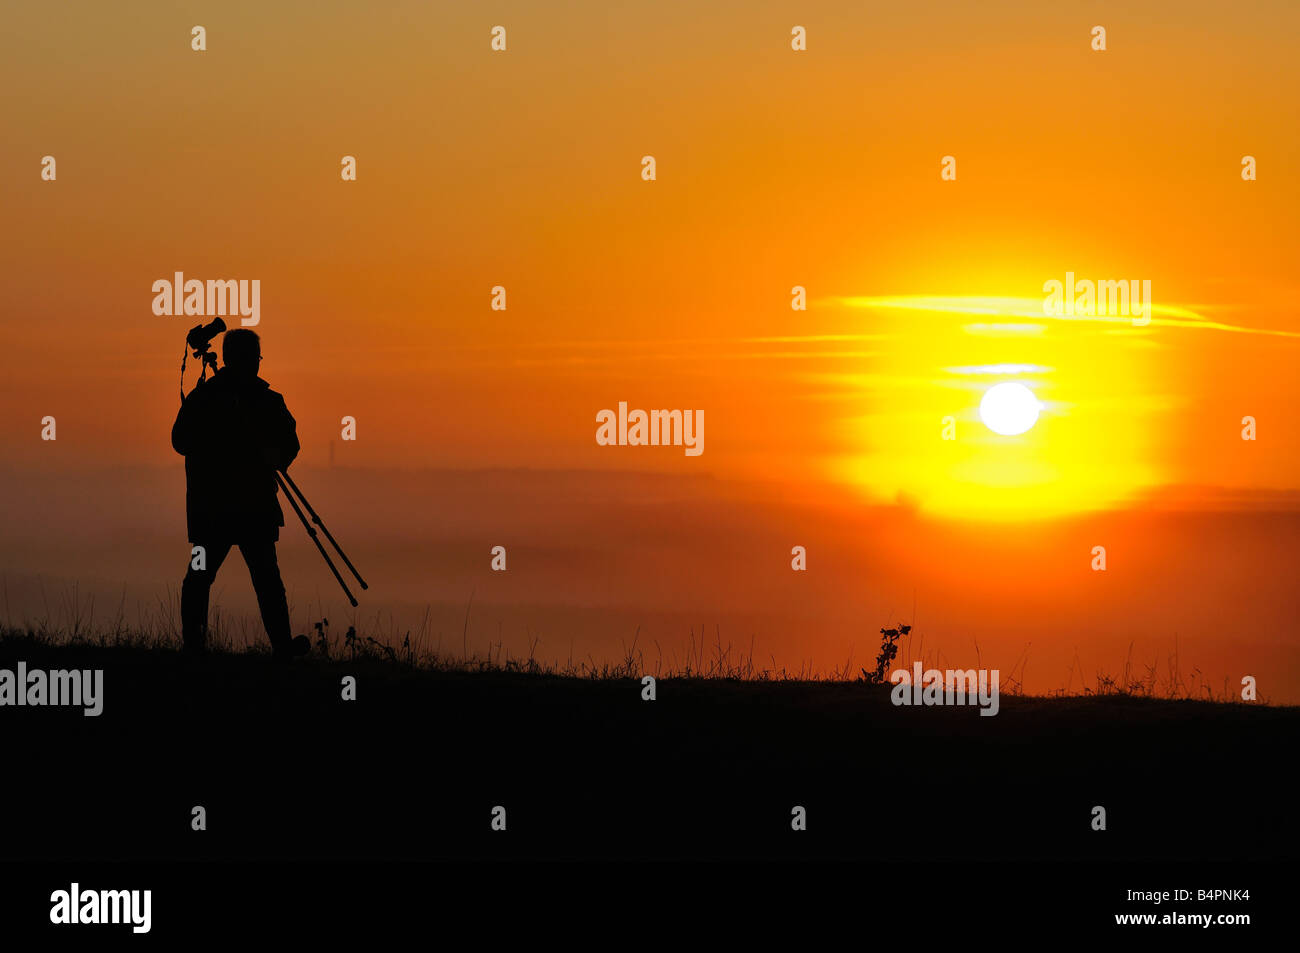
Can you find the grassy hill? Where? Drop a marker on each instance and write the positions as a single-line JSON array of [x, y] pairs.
[[284, 767]]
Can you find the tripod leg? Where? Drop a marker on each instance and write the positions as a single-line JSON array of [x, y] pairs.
[[317, 520], [311, 531]]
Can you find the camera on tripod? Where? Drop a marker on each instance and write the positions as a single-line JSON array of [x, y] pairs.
[[200, 340]]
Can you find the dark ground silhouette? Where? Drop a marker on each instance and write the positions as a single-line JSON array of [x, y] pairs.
[[412, 769]]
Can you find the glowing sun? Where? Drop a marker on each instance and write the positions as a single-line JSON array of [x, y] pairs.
[[1009, 408]]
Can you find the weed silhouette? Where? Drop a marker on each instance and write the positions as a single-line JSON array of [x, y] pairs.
[[888, 652]]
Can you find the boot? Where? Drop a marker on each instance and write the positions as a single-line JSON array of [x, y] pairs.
[[291, 649]]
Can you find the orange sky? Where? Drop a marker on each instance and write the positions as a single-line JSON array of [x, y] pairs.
[[775, 169]]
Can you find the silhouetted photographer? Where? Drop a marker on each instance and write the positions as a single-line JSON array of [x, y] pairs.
[[235, 433]]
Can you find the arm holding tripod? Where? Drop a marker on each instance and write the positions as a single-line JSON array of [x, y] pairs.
[[286, 482], [280, 453]]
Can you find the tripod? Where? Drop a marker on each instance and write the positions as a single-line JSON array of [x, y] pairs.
[[208, 358], [282, 478]]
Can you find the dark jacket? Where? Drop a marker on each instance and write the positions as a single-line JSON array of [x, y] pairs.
[[234, 433]]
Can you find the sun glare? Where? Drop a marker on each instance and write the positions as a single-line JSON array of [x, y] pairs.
[[990, 422], [1009, 408]]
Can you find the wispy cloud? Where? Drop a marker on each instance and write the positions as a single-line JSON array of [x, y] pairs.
[[683, 356], [999, 369], [1169, 316], [681, 350]]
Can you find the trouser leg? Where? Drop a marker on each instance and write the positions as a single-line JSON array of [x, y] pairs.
[[268, 585], [195, 589]]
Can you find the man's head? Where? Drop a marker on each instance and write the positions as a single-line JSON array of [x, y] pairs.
[[242, 352]]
